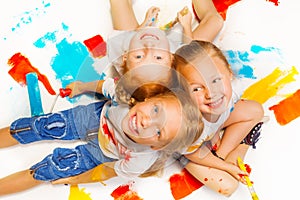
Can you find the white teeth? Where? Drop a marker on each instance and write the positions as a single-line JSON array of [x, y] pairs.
[[216, 103], [134, 123]]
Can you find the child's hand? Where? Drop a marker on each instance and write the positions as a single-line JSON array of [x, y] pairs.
[[237, 173], [76, 88], [185, 18], [151, 17]]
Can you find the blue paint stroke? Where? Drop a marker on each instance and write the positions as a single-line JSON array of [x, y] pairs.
[[28, 16], [239, 63], [257, 49], [73, 62], [51, 37], [34, 94]]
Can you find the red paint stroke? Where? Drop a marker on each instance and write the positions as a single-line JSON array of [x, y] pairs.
[[276, 2], [124, 192], [96, 45], [183, 184], [288, 109], [22, 66], [221, 6]]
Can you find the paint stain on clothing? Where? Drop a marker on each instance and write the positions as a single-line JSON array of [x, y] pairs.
[[96, 45], [268, 87], [22, 66], [78, 194], [125, 192], [288, 109], [183, 184]]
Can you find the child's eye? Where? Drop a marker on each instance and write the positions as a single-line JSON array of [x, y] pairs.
[[156, 109], [158, 132], [216, 80], [138, 56], [158, 57], [197, 89]]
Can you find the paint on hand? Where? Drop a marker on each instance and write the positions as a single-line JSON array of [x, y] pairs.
[[96, 45], [78, 194], [268, 87], [22, 66], [125, 192], [183, 184], [288, 109]]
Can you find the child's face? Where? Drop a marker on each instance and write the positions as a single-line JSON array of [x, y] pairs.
[[154, 122], [148, 46], [210, 81]]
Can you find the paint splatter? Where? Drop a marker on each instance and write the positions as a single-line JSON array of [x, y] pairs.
[[268, 87], [28, 16], [288, 109], [73, 62], [96, 45], [78, 194], [125, 192], [183, 184], [52, 37], [22, 66], [239, 61], [276, 2]]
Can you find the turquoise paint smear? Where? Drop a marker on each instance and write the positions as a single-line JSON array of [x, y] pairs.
[[257, 49], [73, 62], [28, 16], [238, 61], [51, 37]]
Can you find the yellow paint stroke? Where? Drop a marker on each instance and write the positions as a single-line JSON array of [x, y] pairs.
[[288, 109], [268, 87], [78, 194]]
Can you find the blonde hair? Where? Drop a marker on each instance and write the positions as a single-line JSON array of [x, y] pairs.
[[198, 49]]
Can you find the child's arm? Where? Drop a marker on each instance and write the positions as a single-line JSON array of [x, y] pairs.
[[79, 87], [100, 173], [212, 161]]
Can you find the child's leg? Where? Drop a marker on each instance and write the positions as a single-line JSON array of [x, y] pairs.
[[6, 140], [246, 115], [210, 20], [18, 182], [123, 17]]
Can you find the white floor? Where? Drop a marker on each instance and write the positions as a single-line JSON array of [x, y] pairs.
[[274, 162]]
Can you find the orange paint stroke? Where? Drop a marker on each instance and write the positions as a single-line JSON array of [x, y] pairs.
[[78, 194], [268, 87], [22, 66], [288, 109], [124, 192], [183, 184]]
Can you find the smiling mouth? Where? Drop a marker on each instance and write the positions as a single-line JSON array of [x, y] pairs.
[[133, 125], [216, 104], [149, 36]]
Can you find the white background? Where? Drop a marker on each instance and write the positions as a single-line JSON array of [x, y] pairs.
[[274, 163]]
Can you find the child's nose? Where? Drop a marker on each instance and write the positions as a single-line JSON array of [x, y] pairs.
[[146, 121]]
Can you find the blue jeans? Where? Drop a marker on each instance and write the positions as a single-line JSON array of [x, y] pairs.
[[78, 123]]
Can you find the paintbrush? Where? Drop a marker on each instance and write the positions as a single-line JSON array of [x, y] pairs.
[[169, 25], [249, 183]]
